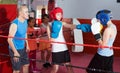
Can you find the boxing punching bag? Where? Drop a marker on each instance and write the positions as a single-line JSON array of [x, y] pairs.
[[51, 5], [43, 11]]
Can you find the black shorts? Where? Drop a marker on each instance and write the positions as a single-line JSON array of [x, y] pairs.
[[60, 57], [101, 62], [22, 61]]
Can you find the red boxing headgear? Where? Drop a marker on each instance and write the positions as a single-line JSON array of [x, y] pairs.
[[54, 11]]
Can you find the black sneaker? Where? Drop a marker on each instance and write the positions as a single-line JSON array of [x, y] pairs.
[[46, 65]]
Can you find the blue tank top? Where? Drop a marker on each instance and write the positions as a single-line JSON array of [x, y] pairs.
[[20, 33], [106, 51]]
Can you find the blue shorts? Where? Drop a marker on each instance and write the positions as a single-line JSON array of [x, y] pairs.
[[23, 60]]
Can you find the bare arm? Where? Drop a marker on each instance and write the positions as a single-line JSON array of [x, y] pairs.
[[106, 36], [27, 46], [12, 31], [48, 31], [71, 26]]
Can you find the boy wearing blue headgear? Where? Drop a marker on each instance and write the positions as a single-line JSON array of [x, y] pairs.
[[103, 59]]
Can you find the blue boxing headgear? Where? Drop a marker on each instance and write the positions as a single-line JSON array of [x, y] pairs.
[[104, 16]]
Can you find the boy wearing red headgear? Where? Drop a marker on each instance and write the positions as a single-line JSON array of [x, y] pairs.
[[60, 53]]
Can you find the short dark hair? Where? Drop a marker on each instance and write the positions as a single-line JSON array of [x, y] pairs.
[[45, 15], [30, 18]]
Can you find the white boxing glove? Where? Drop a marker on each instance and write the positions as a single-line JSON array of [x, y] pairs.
[[96, 28], [94, 20]]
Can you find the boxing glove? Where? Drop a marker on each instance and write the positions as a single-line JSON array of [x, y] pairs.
[[96, 28], [55, 29], [84, 27], [94, 20]]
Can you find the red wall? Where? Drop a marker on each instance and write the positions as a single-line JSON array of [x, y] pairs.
[[7, 14]]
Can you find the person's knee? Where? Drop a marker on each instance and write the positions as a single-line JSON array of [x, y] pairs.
[[68, 63], [55, 68], [26, 66], [16, 71]]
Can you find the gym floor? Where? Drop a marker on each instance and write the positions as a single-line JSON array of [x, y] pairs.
[[77, 59]]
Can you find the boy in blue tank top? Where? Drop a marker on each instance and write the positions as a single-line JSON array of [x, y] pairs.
[[17, 49]]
